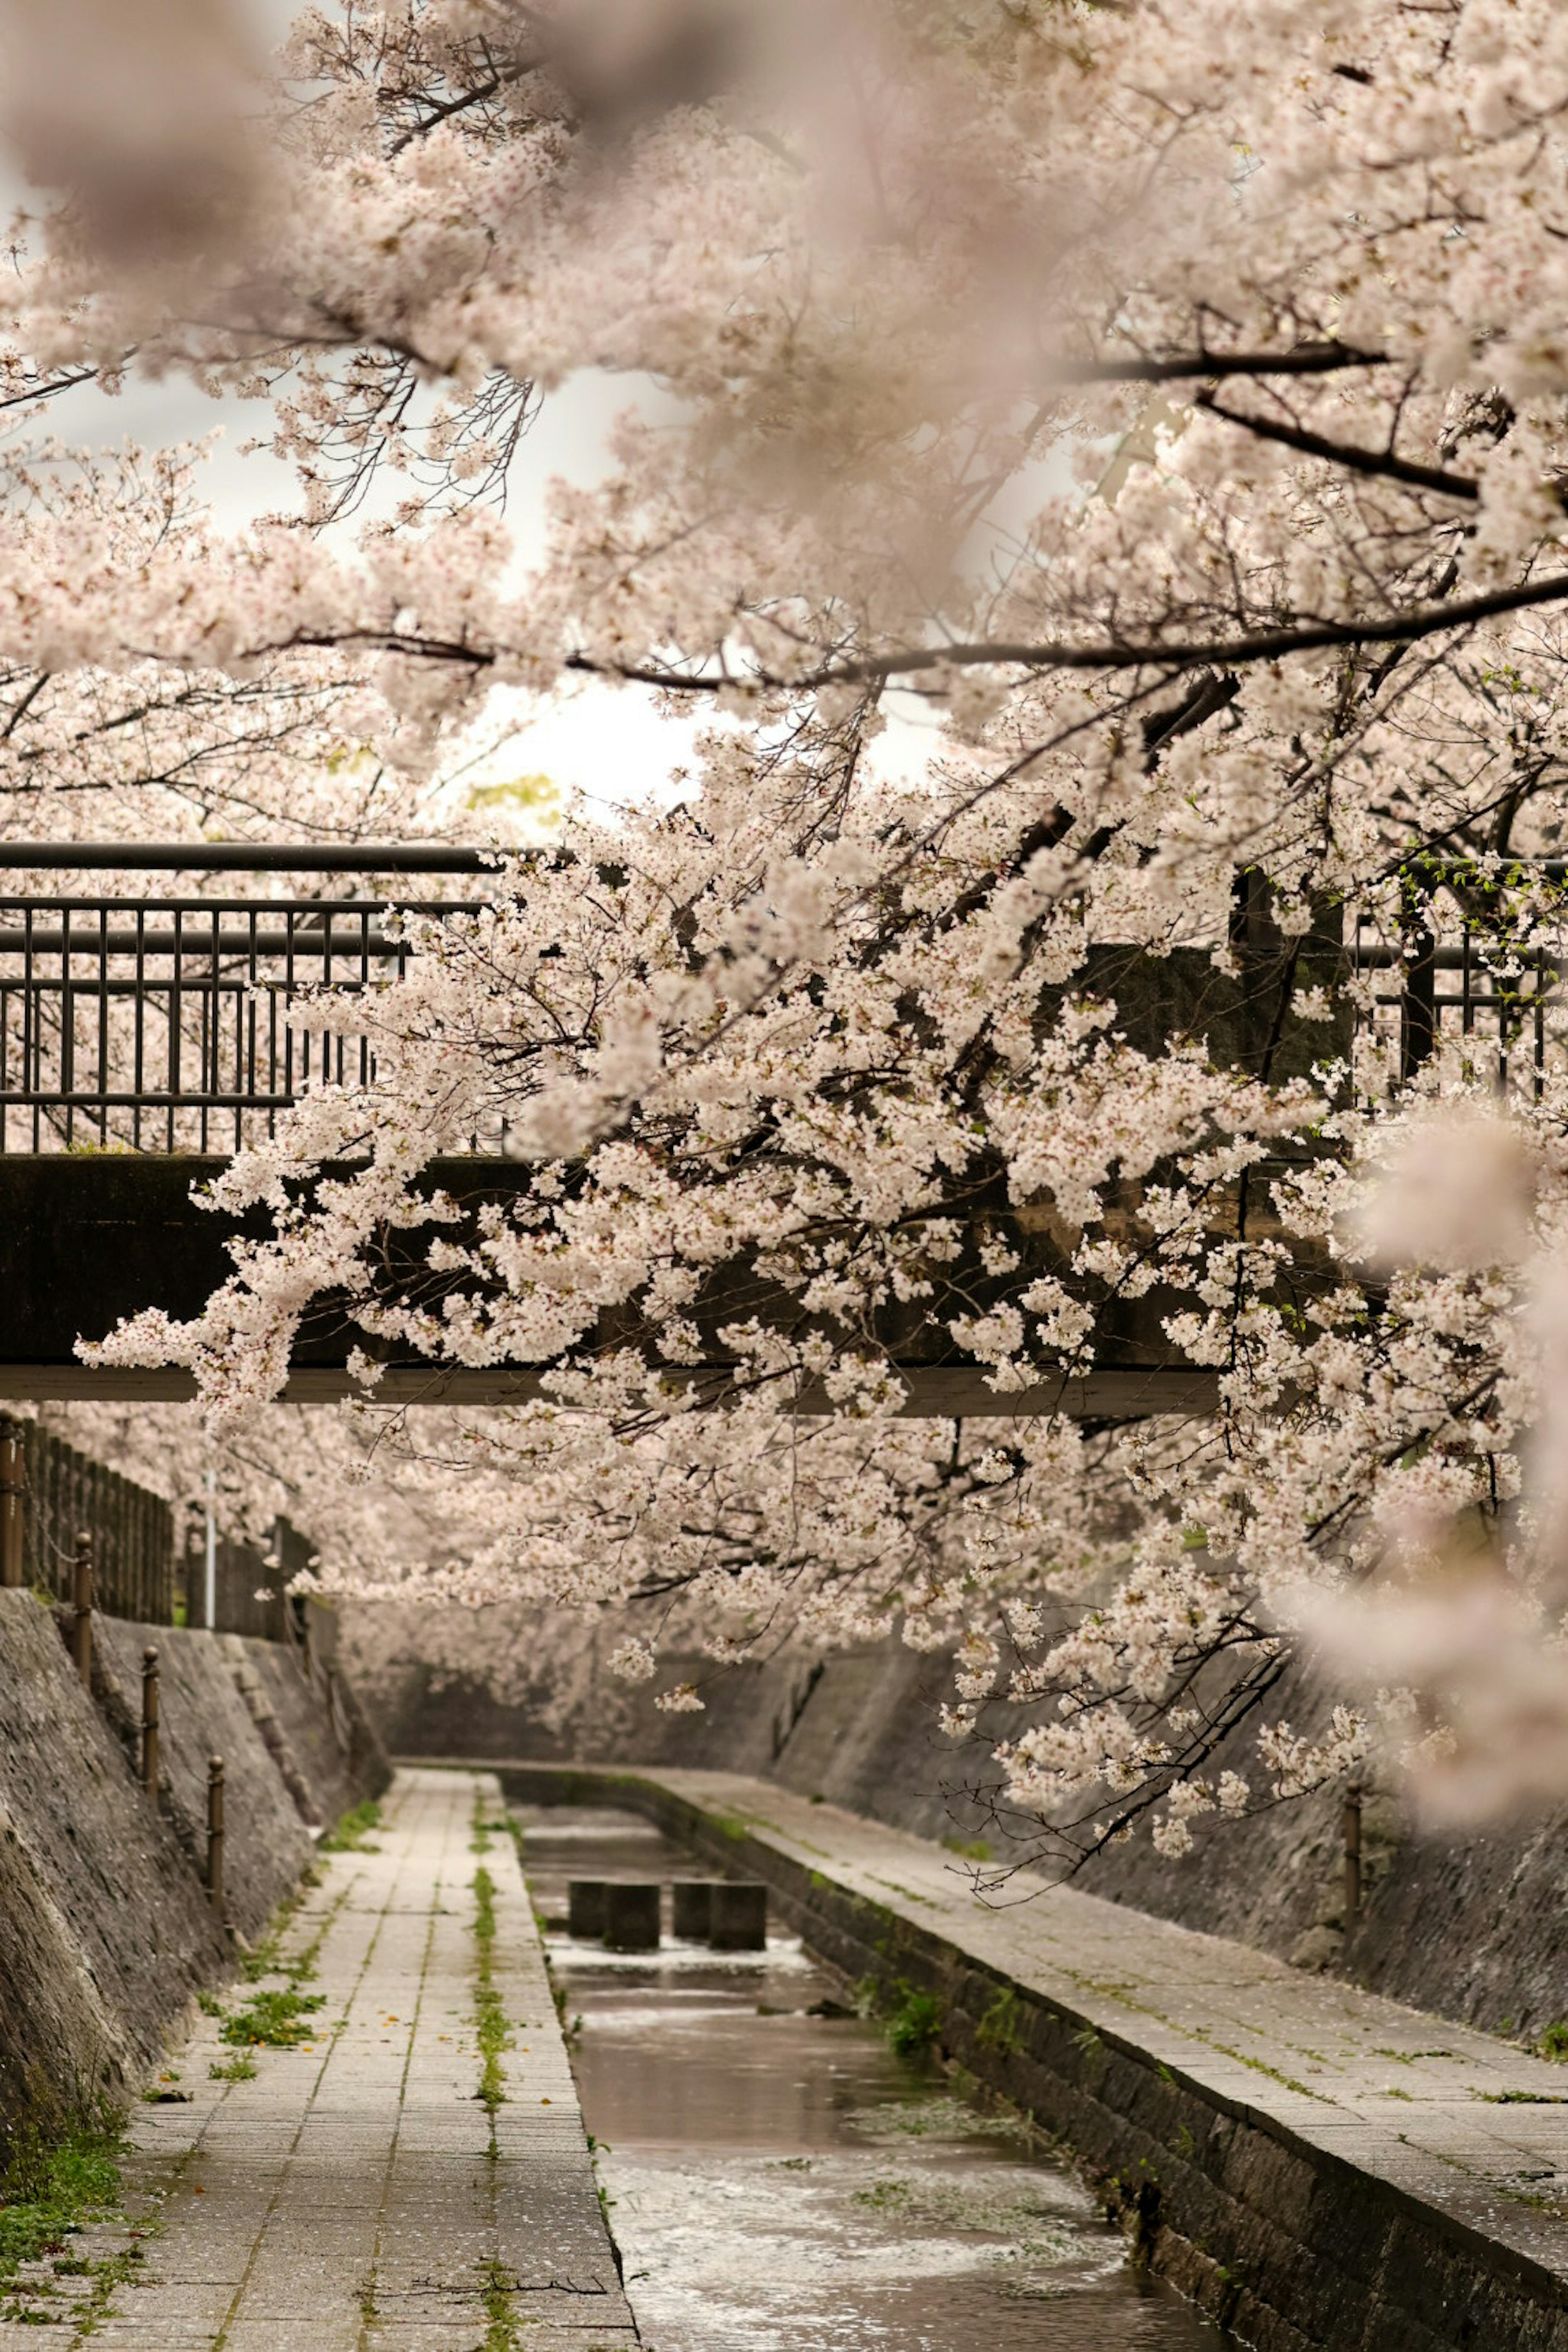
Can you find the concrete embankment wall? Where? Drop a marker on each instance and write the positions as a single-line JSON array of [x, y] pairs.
[[106, 1932], [1470, 1928]]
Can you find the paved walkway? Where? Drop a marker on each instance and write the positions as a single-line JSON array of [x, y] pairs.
[[358, 2195], [1453, 2118]]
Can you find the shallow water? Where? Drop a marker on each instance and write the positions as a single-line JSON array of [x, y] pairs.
[[780, 2181]]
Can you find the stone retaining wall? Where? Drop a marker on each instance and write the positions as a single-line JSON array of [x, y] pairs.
[[1296, 2251], [106, 1933]]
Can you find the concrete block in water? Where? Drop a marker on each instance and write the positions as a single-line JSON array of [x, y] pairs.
[[692, 1908], [738, 1916], [585, 1908], [631, 1916]]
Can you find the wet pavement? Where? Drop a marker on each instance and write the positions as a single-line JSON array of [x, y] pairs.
[[780, 2181]]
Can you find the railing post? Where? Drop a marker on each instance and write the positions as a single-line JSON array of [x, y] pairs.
[[1419, 1000], [13, 1491], [215, 1832], [82, 1602], [1353, 1855], [150, 1722]]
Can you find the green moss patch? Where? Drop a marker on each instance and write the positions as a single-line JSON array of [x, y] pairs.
[[352, 1834]]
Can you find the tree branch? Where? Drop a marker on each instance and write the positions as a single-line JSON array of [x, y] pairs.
[[1181, 653], [1339, 452], [1306, 359]]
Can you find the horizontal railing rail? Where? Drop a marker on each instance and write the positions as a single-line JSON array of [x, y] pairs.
[[245, 857], [181, 1023], [173, 1023]]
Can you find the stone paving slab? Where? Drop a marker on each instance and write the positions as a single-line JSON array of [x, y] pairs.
[[1455, 2119], [357, 2196]]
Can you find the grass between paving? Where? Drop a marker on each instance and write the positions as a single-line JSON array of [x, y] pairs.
[[52, 2190], [276, 2016], [489, 2017], [61, 2180], [352, 1834], [497, 2284]]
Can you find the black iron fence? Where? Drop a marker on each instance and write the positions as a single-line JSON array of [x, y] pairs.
[[1466, 967], [185, 1023], [182, 1024]]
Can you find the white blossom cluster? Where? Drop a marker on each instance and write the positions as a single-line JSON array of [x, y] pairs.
[[1168, 405]]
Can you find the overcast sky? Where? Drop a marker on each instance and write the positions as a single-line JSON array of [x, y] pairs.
[[606, 742]]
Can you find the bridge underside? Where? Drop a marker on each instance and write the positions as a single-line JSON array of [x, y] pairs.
[[1131, 1393], [86, 1239]]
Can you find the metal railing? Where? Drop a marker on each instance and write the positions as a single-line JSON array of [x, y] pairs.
[[185, 1023], [1453, 976], [181, 1023]]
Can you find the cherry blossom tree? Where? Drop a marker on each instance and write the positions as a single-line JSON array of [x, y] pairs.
[[1106, 494]]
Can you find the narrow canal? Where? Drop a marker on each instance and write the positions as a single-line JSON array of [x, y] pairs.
[[780, 2181]]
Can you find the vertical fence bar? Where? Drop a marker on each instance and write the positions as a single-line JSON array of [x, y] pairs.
[[209, 1027], [32, 1472], [364, 995], [43, 1529], [156, 1513], [289, 924], [57, 1569], [176, 1017], [96, 1519], [103, 1023], [249, 1085], [115, 1590], [106, 1528], [29, 1026], [69, 1515], [210, 1562], [1419, 1000], [194, 1580], [165, 1532], [271, 1057], [131, 1517], [67, 1022], [1351, 1825], [139, 1026], [326, 1042], [35, 1535], [30, 1022]]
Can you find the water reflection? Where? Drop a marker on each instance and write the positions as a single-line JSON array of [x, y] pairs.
[[781, 2183]]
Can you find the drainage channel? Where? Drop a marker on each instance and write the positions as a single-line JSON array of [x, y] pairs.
[[780, 2180]]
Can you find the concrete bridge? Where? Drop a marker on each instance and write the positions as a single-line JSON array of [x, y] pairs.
[[143, 1037]]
